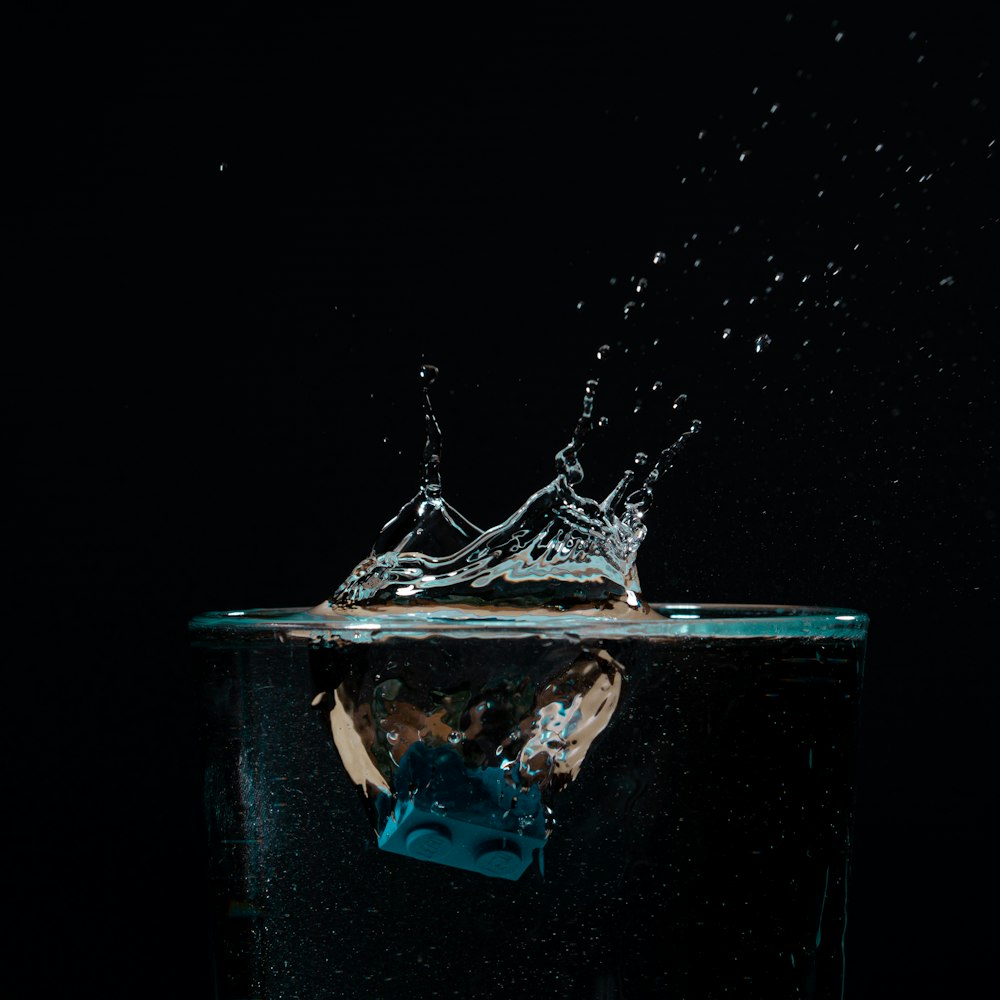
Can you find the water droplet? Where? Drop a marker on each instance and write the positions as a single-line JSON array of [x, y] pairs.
[[682, 398], [640, 285], [659, 257], [839, 36], [774, 107], [603, 351], [641, 458], [579, 304], [428, 373], [455, 737], [726, 333], [603, 421], [879, 148], [780, 276], [761, 342], [744, 156], [657, 385], [392, 736]]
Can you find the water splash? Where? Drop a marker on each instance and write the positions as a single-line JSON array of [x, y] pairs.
[[428, 523], [559, 550]]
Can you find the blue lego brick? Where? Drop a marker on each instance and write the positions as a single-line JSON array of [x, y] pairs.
[[466, 817], [430, 836]]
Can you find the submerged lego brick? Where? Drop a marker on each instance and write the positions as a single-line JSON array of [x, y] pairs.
[[432, 836], [475, 818]]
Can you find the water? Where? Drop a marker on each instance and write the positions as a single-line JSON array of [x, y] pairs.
[[559, 550], [488, 765], [701, 850]]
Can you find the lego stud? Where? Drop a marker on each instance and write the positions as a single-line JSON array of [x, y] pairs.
[[428, 842], [500, 858]]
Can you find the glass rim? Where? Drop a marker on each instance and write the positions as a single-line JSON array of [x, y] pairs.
[[667, 620]]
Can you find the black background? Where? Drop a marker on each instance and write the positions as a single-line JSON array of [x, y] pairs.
[[238, 233]]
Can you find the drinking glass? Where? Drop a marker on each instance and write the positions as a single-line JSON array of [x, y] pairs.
[[504, 803]]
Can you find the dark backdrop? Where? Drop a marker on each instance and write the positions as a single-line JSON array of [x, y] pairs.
[[238, 235]]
